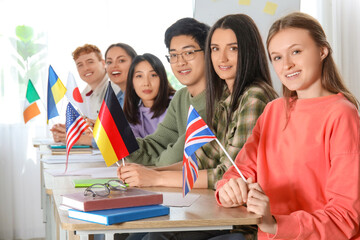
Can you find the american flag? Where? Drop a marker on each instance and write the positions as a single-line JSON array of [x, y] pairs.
[[197, 134], [75, 126]]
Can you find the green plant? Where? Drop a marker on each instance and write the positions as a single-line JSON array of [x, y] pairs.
[[30, 54], [173, 81]]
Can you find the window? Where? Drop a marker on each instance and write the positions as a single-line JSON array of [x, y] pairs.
[[58, 27]]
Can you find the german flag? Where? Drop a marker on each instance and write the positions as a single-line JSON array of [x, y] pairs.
[[112, 132]]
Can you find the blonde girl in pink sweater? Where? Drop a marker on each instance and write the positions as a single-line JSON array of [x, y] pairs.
[[302, 161]]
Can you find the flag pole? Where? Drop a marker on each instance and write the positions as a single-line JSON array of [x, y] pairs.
[[123, 162], [43, 104], [233, 163]]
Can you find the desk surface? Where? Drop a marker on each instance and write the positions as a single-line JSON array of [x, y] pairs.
[[204, 212]]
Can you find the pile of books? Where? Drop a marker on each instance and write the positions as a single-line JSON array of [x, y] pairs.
[[78, 149], [120, 206]]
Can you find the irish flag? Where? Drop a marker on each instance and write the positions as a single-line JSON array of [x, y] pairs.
[[31, 108]]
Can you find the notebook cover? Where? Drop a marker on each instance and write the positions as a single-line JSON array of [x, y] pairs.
[[132, 197], [71, 152], [77, 149], [119, 215], [64, 146]]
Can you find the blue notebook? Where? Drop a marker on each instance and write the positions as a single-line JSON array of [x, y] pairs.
[[118, 215], [64, 146]]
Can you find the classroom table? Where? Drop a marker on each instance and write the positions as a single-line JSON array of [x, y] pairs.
[[203, 214], [49, 161]]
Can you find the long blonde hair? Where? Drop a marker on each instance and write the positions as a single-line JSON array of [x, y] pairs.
[[331, 79]]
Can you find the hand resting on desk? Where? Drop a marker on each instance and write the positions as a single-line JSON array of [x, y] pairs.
[[236, 192], [59, 132]]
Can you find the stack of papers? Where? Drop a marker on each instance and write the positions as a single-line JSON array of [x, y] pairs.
[[78, 149], [98, 172]]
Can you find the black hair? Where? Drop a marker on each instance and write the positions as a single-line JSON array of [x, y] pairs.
[[189, 27], [132, 100]]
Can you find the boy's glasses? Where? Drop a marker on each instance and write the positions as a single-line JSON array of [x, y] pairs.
[[186, 55], [103, 190]]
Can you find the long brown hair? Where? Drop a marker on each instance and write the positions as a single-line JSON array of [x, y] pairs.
[[252, 66], [331, 79]]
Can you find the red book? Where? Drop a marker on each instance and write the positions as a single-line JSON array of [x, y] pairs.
[[132, 197]]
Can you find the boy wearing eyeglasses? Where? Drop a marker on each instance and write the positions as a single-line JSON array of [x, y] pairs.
[[185, 40]]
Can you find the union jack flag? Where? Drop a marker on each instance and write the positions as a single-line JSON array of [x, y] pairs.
[[197, 134], [75, 126]]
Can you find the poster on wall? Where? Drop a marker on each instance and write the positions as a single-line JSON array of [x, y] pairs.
[[264, 13]]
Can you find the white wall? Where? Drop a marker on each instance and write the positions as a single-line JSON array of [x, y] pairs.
[[263, 12]]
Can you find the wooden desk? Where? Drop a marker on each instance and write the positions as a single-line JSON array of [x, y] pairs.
[[48, 161], [203, 214]]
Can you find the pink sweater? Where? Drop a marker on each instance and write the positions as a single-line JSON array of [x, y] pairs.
[[309, 170]]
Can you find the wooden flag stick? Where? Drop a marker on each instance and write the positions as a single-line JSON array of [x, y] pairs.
[[233, 163]]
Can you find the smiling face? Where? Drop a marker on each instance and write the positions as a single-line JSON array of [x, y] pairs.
[[190, 73], [117, 66], [146, 83], [90, 68], [224, 55], [298, 61]]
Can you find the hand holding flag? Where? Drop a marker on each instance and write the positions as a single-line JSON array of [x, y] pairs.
[[75, 126], [197, 134]]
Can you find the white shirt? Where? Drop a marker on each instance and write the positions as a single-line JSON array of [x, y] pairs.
[[93, 98]]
